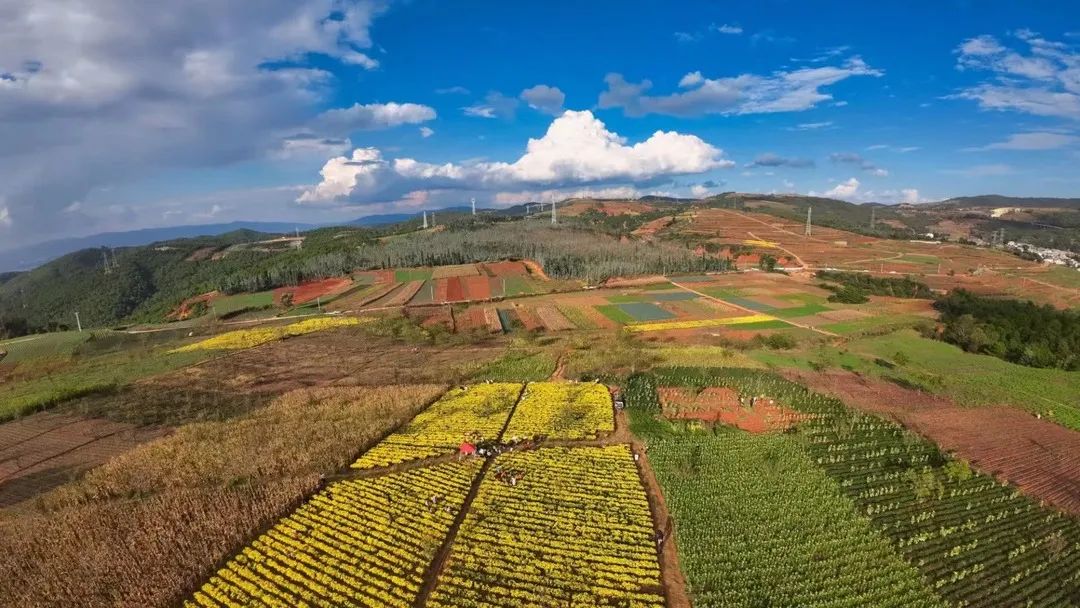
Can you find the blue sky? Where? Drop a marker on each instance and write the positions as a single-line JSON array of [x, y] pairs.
[[124, 116]]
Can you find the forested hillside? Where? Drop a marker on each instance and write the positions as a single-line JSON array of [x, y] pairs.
[[145, 283]]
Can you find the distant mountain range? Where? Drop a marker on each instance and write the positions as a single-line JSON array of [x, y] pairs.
[[32, 256]]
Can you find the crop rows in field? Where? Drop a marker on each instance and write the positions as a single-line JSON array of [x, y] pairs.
[[364, 542], [475, 413], [759, 523], [575, 531], [563, 410], [975, 541]]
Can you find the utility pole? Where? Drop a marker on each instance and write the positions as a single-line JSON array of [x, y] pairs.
[[808, 230], [474, 206], [78, 322]]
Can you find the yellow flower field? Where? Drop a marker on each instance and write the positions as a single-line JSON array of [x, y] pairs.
[[364, 542], [563, 410], [759, 243], [472, 413], [247, 338], [665, 325], [575, 531]]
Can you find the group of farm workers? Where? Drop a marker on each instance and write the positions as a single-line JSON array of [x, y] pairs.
[[491, 447]]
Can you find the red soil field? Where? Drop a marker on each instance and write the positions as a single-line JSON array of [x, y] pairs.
[[528, 318], [184, 310], [44, 450], [1038, 456], [491, 319], [307, 292], [715, 404], [385, 276], [454, 290], [649, 229], [535, 270], [440, 290], [553, 319], [504, 269], [477, 288]]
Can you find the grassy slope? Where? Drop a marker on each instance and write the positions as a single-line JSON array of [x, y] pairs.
[[942, 368]]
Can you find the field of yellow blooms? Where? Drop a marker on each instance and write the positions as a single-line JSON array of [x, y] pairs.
[[472, 413], [666, 325], [365, 542], [575, 531], [247, 338], [563, 410]]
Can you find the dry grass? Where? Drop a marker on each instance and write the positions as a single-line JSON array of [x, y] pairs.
[[145, 527]]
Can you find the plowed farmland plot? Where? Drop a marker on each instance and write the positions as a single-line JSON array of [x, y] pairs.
[[44, 450], [308, 292], [475, 414], [574, 531], [725, 405], [363, 542], [561, 410]]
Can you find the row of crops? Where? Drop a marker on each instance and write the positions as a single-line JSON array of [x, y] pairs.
[[551, 526], [974, 541], [479, 413], [475, 413], [365, 542], [576, 531]]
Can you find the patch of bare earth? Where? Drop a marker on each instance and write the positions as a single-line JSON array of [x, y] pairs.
[[724, 405], [341, 358], [1036, 455], [44, 450]]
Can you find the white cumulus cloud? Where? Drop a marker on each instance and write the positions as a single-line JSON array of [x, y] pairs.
[[851, 190], [577, 149]]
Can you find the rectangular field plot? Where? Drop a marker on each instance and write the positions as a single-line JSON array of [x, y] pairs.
[[475, 413], [563, 410], [574, 531], [743, 543], [364, 542]]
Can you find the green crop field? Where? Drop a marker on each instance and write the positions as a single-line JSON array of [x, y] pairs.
[[412, 274], [972, 539], [43, 346], [615, 313]]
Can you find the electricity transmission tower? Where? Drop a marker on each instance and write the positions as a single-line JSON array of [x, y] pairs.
[[474, 206], [554, 220], [872, 218], [808, 228], [425, 220]]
